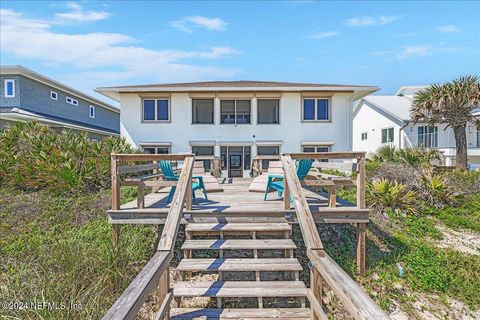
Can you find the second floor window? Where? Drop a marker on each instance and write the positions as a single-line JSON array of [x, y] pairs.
[[53, 95], [316, 109], [156, 110], [9, 88], [202, 111], [428, 137], [364, 135], [156, 149], [235, 111], [387, 135], [268, 111], [72, 101]]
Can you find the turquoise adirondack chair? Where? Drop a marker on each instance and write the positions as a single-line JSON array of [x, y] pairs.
[[170, 175], [275, 181]]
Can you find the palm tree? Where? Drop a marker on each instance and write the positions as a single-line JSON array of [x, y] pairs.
[[451, 103]]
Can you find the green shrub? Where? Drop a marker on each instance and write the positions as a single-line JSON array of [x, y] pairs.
[[35, 157], [382, 194], [409, 156], [435, 190], [463, 182]]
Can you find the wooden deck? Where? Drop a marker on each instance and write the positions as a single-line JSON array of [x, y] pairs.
[[235, 198]]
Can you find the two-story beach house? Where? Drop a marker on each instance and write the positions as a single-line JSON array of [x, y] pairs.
[[381, 120], [26, 95], [237, 120]]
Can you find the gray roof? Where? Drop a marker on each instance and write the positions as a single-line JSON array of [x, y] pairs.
[[397, 106]]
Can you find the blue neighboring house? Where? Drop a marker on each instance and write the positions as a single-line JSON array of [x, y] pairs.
[[26, 95]]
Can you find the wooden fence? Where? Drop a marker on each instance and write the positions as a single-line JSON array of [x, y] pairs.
[[155, 274], [323, 268]]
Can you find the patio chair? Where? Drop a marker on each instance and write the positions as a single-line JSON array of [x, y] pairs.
[[275, 181], [170, 175]]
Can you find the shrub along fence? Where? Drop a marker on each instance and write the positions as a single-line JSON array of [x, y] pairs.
[[33, 157]]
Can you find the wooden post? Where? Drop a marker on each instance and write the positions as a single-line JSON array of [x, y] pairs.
[[163, 287], [188, 200], [316, 287], [362, 230], [140, 196], [286, 195], [115, 176], [332, 196]]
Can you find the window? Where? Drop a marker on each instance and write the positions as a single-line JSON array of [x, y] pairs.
[[427, 136], [225, 151], [92, 112], [156, 110], [53, 95], [364, 135], [478, 137], [202, 111], [317, 148], [9, 90], [235, 111], [316, 109], [268, 111], [157, 149], [71, 101], [203, 151], [387, 135], [267, 151]]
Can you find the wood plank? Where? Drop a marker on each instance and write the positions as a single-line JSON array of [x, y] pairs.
[[245, 289], [115, 183], [326, 155], [317, 310], [353, 297], [137, 168], [164, 311], [151, 157], [169, 233], [231, 244], [234, 264], [307, 224], [252, 313], [197, 227], [128, 304]]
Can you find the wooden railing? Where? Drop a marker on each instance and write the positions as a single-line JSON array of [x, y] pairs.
[[323, 268], [156, 271], [257, 164]]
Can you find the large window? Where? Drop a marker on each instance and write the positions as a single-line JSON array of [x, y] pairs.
[[316, 109], [203, 151], [268, 111], [235, 111], [9, 90], [156, 110], [428, 137], [226, 151], [267, 151], [156, 149], [202, 111], [387, 135]]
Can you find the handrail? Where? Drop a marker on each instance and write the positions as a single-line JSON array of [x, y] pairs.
[[356, 300], [131, 300]]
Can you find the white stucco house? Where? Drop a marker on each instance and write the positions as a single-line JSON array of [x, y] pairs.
[[237, 120], [380, 120]]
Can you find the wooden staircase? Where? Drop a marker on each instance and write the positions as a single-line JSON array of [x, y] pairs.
[[262, 252]]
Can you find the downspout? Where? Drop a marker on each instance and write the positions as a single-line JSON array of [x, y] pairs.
[[400, 134]]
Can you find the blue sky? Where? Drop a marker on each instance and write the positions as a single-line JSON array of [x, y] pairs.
[[87, 44]]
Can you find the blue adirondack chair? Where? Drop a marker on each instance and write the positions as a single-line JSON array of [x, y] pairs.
[[170, 175], [275, 181]]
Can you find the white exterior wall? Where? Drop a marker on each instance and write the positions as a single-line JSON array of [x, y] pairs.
[[370, 121], [291, 131]]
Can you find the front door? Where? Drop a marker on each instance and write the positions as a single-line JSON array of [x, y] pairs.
[[235, 165]]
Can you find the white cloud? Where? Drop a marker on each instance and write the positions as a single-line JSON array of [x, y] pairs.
[[78, 14], [366, 21], [93, 52], [448, 29], [414, 51], [188, 24], [322, 35]]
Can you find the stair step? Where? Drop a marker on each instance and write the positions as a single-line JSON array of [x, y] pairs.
[[250, 314], [246, 289], [231, 264], [239, 227], [230, 244]]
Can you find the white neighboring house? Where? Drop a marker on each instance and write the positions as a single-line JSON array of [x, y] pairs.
[[237, 120], [381, 120]]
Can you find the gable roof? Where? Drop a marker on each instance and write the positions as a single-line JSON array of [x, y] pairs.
[[20, 70], [239, 85], [396, 108]]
